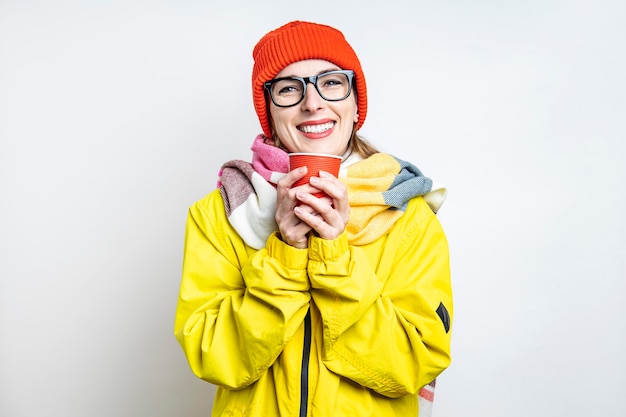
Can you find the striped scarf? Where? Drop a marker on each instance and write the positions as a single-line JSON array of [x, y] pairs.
[[379, 189]]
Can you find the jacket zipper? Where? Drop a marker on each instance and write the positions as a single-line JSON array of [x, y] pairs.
[[304, 374]]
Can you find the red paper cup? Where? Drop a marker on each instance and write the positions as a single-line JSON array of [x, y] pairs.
[[315, 162]]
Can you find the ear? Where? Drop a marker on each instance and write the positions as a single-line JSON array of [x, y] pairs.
[[356, 117]]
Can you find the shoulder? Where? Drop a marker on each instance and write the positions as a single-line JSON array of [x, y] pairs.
[[418, 220], [208, 217], [209, 212], [212, 203], [418, 208]]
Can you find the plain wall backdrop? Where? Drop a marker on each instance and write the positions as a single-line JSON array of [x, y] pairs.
[[116, 115]]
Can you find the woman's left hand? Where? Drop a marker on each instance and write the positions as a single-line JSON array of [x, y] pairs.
[[330, 214]]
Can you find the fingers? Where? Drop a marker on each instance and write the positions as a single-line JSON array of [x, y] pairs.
[[322, 215], [291, 177], [335, 190], [330, 185], [298, 211], [292, 230]]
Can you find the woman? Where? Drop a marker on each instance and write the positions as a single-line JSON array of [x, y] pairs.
[[302, 306]]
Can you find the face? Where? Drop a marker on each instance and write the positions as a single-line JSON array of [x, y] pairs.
[[314, 124]]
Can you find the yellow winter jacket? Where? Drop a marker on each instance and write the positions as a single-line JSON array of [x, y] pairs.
[[333, 330]]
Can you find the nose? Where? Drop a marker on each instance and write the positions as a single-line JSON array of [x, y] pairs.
[[312, 100]]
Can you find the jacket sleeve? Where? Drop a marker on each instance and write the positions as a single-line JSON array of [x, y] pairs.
[[386, 317], [237, 307]]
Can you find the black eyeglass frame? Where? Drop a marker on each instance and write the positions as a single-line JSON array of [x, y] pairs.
[[313, 80]]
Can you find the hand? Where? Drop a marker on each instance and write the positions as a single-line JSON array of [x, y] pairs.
[[328, 216], [293, 231]]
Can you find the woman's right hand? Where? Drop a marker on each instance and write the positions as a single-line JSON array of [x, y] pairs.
[[293, 231]]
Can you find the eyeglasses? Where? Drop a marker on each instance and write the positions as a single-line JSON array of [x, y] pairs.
[[331, 86]]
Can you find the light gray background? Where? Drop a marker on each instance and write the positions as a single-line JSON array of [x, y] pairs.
[[115, 117]]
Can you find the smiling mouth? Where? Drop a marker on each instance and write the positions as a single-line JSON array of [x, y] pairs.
[[321, 128]]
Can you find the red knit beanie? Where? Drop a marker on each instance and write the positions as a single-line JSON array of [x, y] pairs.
[[297, 41]]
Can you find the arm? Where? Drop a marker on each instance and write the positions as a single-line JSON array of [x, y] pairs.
[[237, 307], [381, 328]]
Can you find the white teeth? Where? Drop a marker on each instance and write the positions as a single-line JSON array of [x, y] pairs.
[[317, 128]]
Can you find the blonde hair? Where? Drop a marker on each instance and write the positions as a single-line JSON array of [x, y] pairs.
[[361, 146]]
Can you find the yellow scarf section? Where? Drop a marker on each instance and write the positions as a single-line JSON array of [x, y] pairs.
[[378, 189]]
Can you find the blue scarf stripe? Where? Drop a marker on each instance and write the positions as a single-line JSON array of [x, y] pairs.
[[409, 183]]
